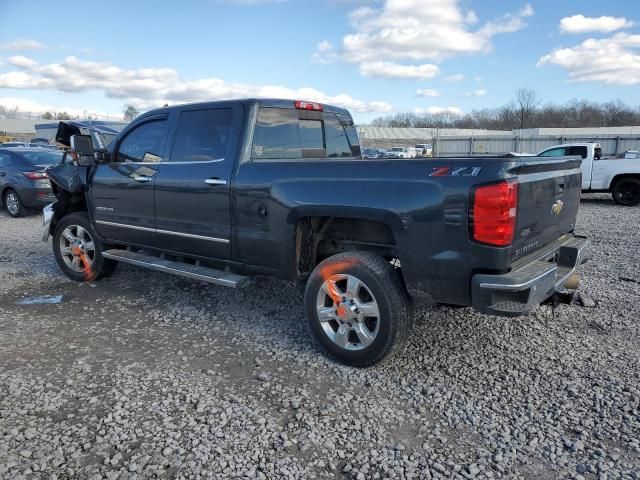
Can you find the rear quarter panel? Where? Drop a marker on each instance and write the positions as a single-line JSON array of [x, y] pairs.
[[606, 169], [427, 215]]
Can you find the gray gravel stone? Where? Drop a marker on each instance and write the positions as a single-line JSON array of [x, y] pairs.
[[143, 375]]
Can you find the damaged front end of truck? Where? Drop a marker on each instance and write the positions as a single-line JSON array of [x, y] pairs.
[[69, 179]]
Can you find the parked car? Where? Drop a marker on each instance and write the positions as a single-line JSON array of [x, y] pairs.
[[220, 191], [620, 176], [424, 150], [24, 182], [382, 153], [371, 153], [401, 152]]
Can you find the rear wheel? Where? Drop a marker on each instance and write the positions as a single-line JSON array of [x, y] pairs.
[[627, 192], [357, 308], [13, 204], [78, 251]]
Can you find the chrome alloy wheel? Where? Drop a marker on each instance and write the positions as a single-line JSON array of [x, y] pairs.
[[77, 248], [12, 203], [348, 312]]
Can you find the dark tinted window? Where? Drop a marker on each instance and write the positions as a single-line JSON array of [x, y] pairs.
[[578, 151], [202, 135], [280, 135], [347, 123], [42, 158], [555, 152], [336, 137], [144, 143], [5, 159]]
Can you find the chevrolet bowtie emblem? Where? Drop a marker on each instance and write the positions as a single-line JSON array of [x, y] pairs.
[[557, 207]]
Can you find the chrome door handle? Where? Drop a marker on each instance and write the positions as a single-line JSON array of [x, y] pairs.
[[215, 181], [142, 178]]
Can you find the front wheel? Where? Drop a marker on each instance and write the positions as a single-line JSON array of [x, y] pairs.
[[627, 192], [13, 204], [78, 251], [357, 308]]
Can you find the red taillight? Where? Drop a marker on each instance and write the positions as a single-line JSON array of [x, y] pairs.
[[36, 175], [317, 107], [493, 214]]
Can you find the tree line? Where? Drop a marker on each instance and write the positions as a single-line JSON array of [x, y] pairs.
[[524, 111], [12, 113]]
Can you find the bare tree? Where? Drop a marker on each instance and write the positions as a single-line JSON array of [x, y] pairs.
[[47, 116], [574, 113], [527, 101]]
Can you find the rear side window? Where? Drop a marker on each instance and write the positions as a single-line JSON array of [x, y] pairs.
[[555, 152], [283, 134], [578, 151], [43, 158], [144, 143], [337, 141], [202, 135], [354, 143], [280, 135]]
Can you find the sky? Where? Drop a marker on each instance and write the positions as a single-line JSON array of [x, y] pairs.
[[373, 57]]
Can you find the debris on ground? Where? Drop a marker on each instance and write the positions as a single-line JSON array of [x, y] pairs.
[[45, 300]]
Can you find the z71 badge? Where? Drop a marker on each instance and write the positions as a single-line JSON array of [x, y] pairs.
[[455, 171]]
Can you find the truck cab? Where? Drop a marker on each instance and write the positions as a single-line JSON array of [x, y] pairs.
[[619, 176]]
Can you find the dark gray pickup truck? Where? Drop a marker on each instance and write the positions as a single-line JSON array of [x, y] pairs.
[[221, 191]]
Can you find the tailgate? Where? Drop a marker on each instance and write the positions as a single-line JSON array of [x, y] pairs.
[[548, 200]]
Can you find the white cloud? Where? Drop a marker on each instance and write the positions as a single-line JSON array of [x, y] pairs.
[[149, 87], [458, 77], [22, 44], [581, 24], [418, 30], [610, 61], [421, 30], [22, 62], [427, 92], [476, 93], [437, 110], [397, 71], [325, 53]]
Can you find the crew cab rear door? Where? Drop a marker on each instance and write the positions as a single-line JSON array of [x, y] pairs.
[[192, 195]]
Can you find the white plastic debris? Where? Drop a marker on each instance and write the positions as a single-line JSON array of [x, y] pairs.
[[46, 300]]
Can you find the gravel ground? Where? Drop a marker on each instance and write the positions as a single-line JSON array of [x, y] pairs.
[[144, 375]]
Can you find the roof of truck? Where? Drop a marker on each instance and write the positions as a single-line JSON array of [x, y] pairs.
[[262, 102]]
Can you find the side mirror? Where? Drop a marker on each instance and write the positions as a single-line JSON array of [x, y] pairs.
[[82, 145], [102, 156]]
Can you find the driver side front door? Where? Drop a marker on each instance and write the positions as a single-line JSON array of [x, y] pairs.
[[122, 192]]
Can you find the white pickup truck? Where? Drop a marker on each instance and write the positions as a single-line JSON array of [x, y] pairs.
[[620, 176]]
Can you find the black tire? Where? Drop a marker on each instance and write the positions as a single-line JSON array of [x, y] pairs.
[[626, 192], [99, 267], [394, 306], [17, 209]]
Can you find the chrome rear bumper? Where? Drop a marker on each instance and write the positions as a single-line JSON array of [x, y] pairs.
[[529, 283]]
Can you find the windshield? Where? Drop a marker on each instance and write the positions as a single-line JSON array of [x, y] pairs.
[[42, 158], [397, 149]]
